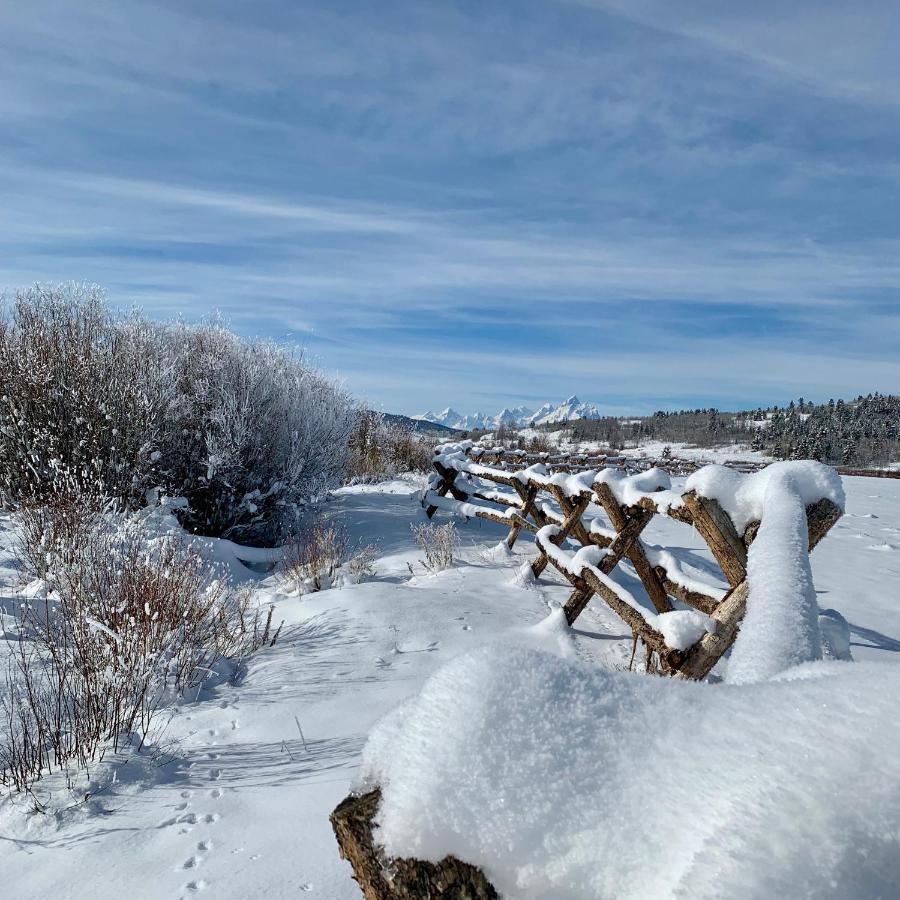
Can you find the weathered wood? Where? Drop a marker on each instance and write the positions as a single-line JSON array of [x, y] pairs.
[[704, 514], [703, 602], [623, 542], [716, 528], [669, 658], [482, 513], [449, 476], [531, 507], [527, 497], [569, 505], [587, 583], [703, 656], [635, 551], [577, 602], [448, 483], [381, 878], [679, 513], [441, 491], [574, 515]]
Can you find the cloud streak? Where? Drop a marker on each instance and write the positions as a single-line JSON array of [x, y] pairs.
[[517, 200]]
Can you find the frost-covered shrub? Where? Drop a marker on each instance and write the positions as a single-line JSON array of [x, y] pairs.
[[439, 544], [101, 408], [122, 625], [257, 432], [361, 565], [52, 535], [82, 402], [312, 559], [381, 449]]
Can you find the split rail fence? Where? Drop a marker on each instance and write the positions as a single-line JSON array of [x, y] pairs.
[[603, 513]]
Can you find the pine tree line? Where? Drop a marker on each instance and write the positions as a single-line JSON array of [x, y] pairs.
[[863, 432]]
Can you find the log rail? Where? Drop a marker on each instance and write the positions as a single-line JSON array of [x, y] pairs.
[[562, 505]]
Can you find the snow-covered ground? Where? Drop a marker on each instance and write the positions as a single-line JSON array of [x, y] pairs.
[[727, 453], [649, 449], [233, 801]]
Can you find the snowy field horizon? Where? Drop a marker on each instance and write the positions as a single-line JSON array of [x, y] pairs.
[[233, 797]]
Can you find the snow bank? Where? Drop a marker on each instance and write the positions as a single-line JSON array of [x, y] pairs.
[[835, 632], [561, 780]]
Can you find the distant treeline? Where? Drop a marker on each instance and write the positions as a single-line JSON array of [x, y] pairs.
[[862, 432]]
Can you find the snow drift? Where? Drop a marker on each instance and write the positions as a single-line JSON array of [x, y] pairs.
[[561, 780]]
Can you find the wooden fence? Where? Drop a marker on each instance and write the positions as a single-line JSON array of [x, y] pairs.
[[563, 461], [602, 511]]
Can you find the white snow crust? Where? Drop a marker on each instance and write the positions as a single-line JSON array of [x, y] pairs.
[[743, 496], [564, 781], [781, 626]]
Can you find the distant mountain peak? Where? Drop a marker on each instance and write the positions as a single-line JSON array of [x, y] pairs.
[[515, 417]]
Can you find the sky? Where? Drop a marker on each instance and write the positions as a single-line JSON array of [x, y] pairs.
[[650, 204]]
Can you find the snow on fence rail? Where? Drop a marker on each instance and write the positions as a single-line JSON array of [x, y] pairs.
[[602, 512]]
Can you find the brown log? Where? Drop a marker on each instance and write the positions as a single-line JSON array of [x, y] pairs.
[[635, 550], [441, 492], [539, 564], [569, 507], [679, 513], [531, 507], [490, 516], [717, 529], [448, 483], [505, 502], [576, 603], [573, 516], [449, 476], [526, 498], [669, 658], [381, 878], [586, 584], [703, 602]]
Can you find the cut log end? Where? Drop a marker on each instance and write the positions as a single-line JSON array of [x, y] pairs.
[[381, 878]]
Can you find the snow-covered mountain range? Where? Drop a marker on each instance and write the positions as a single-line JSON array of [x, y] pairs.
[[517, 417]]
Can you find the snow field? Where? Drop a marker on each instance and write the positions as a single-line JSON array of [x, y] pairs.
[[563, 780], [232, 763]]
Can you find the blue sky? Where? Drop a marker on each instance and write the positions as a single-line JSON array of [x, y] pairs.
[[650, 204]]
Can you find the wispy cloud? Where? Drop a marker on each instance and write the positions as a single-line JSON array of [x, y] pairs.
[[475, 204]]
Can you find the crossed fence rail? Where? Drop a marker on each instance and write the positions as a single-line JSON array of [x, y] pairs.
[[596, 505]]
